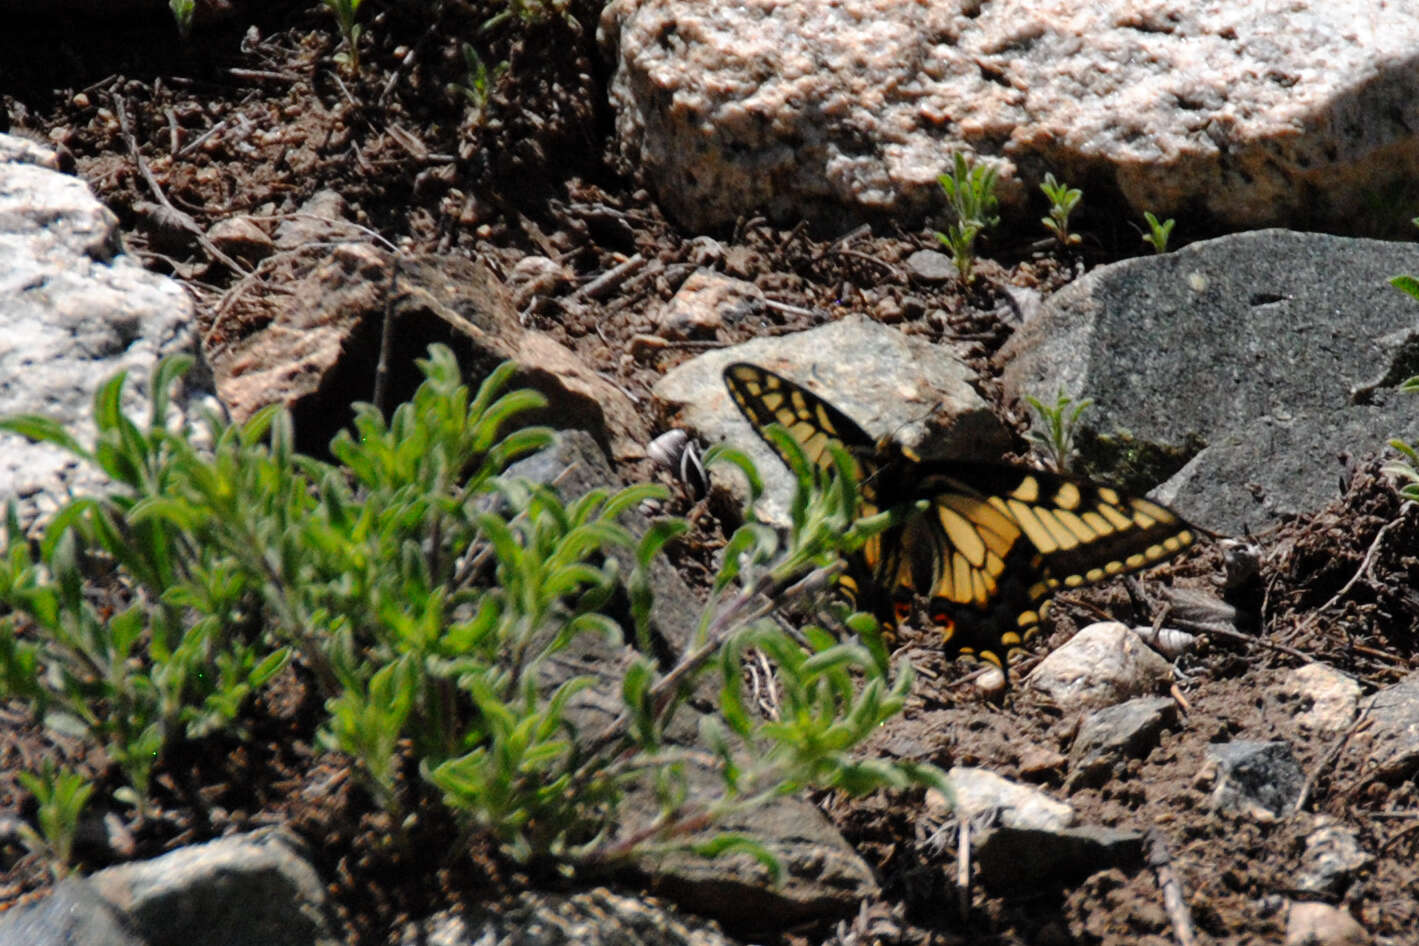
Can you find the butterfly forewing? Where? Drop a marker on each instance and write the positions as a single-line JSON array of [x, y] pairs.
[[764, 399], [995, 540]]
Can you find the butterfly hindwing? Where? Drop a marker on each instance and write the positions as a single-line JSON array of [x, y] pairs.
[[1010, 537], [995, 541]]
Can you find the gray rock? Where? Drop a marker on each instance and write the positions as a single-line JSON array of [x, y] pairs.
[[823, 877], [1246, 362], [74, 311], [251, 890], [1104, 664], [1259, 779], [835, 109], [1021, 838], [1387, 746], [931, 266], [73, 915], [890, 383], [1332, 857], [1113, 734]]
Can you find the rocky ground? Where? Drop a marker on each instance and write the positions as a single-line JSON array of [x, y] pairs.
[[528, 170]]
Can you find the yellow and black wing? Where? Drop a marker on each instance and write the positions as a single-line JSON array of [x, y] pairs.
[[995, 541], [998, 540], [765, 398]]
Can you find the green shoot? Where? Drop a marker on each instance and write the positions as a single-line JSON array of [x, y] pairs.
[[530, 13], [182, 11], [479, 82], [1158, 233], [1063, 200], [970, 194], [350, 31], [60, 797], [1053, 432]]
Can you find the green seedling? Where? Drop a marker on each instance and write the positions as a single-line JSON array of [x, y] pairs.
[[182, 11], [530, 13], [60, 797], [1063, 200], [346, 12], [1158, 233], [1053, 430], [478, 83], [970, 195]]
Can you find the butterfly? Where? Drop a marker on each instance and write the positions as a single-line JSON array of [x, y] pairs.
[[994, 542]]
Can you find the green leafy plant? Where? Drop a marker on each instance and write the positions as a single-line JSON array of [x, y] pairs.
[[1158, 233], [351, 30], [127, 663], [1063, 200], [182, 11], [60, 797], [428, 596], [1053, 430], [479, 81], [970, 195]]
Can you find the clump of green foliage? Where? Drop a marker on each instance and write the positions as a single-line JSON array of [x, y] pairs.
[[346, 13], [1063, 200], [1052, 433], [970, 196], [1158, 233], [425, 593]]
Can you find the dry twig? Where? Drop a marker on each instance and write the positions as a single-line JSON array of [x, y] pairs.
[[1174, 903], [1362, 572], [182, 217]]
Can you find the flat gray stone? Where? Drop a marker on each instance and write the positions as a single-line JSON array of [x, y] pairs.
[[1017, 860], [1109, 736], [1387, 747], [886, 381], [73, 915], [251, 890], [1258, 779], [1248, 363]]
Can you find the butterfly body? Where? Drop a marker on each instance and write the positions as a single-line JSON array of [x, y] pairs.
[[991, 545]]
